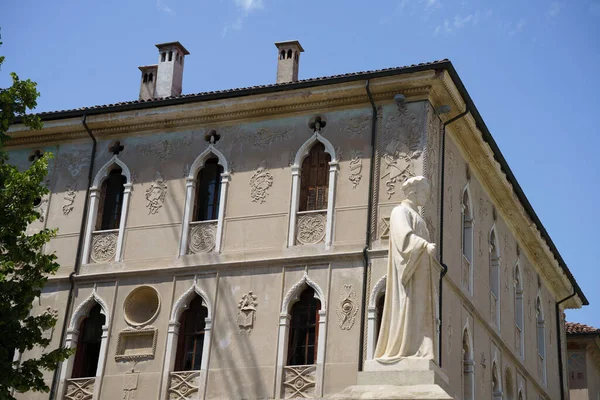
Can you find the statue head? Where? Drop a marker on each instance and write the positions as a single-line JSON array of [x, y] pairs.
[[417, 190]]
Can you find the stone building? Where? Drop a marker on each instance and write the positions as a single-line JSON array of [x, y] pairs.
[[583, 346], [233, 244]]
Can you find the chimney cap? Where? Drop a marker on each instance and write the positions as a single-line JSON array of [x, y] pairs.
[[161, 46], [148, 67], [287, 43]]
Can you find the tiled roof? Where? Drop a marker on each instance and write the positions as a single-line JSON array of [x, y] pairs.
[[157, 101], [573, 328]]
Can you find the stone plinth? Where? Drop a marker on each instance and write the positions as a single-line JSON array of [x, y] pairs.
[[407, 379]]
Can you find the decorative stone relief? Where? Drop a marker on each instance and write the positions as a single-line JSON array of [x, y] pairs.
[[385, 228], [163, 149], [104, 246], [184, 385], [355, 168], [480, 243], [260, 182], [155, 194], [141, 306], [449, 333], [69, 200], [247, 312], [465, 273], [399, 170], [299, 381], [74, 162], [202, 238], [339, 153], [136, 344], [347, 308], [482, 209], [47, 333], [451, 163], [506, 279], [186, 170], [265, 137], [450, 199], [130, 384], [80, 389], [311, 228], [357, 126]]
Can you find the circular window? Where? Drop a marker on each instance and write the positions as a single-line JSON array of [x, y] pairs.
[[141, 306]]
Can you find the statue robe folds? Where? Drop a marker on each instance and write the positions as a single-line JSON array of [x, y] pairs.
[[408, 326]]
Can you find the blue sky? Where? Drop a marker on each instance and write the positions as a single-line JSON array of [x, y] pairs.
[[530, 67]]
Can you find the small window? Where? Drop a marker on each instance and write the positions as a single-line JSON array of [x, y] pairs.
[[314, 182], [88, 345], [170, 56], [111, 201], [145, 77], [282, 55], [163, 56], [150, 77], [176, 56], [289, 54], [208, 191], [304, 330], [191, 336]]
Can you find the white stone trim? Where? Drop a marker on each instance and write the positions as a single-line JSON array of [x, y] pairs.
[[173, 333], [73, 335], [376, 292], [190, 197], [94, 204], [295, 198], [289, 300]]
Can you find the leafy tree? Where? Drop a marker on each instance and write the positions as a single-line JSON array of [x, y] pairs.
[[24, 268]]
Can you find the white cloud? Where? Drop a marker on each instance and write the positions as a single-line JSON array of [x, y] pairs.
[[249, 5], [554, 9], [430, 4], [245, 7], [459, 22], [160, 6]]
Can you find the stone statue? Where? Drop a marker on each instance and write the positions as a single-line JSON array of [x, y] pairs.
[[410, 308]]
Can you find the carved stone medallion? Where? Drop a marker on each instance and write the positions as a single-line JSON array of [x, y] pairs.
[[69, 201], [385, 228], [299, 381], [247, 312], [202, 238], [357, 126], [311, 228], [184, 385], [104, 247], [355, 168], [260, 182], [155, 194], [347, 308], [80, 389]]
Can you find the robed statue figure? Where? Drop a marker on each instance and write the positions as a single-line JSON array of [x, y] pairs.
[[408, 325]]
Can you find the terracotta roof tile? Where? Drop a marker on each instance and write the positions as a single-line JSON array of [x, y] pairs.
[[317, 79], [573, 328]]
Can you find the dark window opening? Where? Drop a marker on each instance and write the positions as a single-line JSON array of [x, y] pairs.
[[170, 56], [304, 330], [163, 56], [289, 53], [145, 78], [379, 315], [208, 191], [314, 182], [88, 345], [111, 201], [282, 55], [191, 336], [150, 77]]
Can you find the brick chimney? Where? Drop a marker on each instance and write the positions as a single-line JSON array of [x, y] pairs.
[[288, 60], [165, 78]]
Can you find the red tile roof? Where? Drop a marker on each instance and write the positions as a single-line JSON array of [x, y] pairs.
[[573, 328]]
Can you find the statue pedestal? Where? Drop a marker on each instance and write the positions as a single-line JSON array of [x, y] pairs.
[[407, 379]]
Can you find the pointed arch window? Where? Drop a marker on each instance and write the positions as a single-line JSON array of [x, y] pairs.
[[468, 372], [314, 182], [192, 333], [519, 326], [88, 345], [208, 191], [495, 279], [467, 242], [304, 330], [111, 201], [541, 339]]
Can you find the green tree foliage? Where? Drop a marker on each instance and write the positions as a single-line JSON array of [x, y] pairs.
[[24, 268]]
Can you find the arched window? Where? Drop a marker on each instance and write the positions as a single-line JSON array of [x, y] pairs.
[[150, 77], [304, 330], [495, 279], [314, 182], [163, 56], [541, 339], [519, 312], [467, 242], [468, 372], [170, 56], [111, 201], [282, 55], [88, 345], [145, 77], [191, 336], [496, 383], [289, 54], [208, 191]]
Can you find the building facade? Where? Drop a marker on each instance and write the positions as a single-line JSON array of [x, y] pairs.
[[233, 245], [583, 344]]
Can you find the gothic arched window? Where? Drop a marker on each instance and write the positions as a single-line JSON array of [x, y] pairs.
[[88, 345], [208, 191], [314, 181], [304, 330], [467, 370], [495, 279], [111, 201], [191, 336], [467, 242]]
